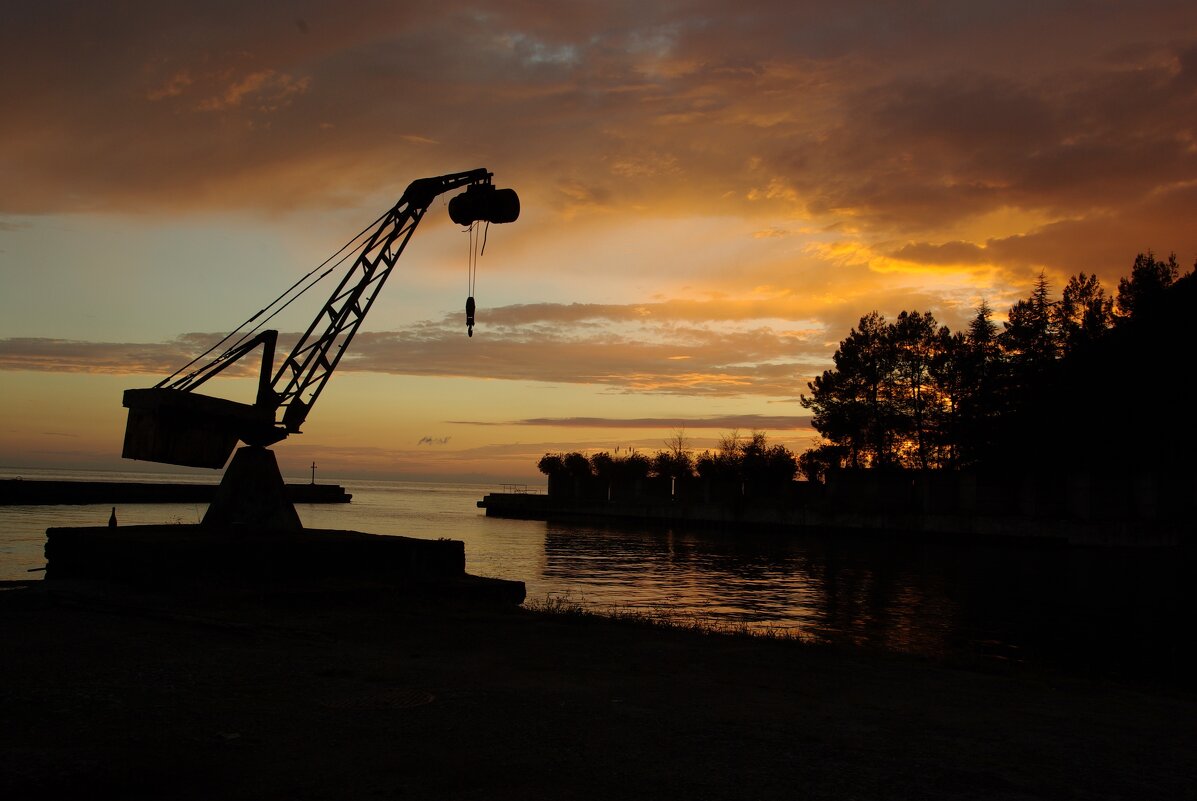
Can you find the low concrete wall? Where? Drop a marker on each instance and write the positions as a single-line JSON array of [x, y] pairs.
[[939, 505], [22, 492]]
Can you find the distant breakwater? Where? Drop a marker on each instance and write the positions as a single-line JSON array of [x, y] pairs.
[[23, 492], [1076, 509]]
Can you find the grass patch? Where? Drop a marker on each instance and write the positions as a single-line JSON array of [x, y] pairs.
[[575, 608]]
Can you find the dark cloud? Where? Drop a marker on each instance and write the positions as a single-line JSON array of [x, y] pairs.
[[430, 440], [1103, 243], [62, 355], [609, 106], [921, 153], [709, 363], [668, 357], [724, 422], [943, 253], [781, 306]]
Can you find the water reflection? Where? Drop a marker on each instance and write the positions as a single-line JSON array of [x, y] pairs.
[[817, 587], [1104, 609]]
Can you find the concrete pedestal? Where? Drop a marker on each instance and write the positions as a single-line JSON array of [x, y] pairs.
[[252, 494]]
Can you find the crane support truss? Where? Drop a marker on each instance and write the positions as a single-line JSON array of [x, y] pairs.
[[302, 375]]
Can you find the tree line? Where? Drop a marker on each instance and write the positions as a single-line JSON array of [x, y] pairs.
[[741, 466], [910, 393]]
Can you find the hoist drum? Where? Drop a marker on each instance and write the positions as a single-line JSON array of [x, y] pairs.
[[484, 203]]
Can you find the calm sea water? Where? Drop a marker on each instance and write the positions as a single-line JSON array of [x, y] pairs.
[[1112, 611]]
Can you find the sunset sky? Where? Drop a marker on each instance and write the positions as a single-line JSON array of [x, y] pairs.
[[713, 193]]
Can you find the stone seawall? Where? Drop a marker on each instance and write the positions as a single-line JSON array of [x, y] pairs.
[[821, 518], [23, 492]]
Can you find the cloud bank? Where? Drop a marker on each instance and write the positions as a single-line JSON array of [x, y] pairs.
[[552, 343], [880, 120]]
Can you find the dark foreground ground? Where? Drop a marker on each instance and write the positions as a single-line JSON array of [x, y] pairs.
[[271, 696]]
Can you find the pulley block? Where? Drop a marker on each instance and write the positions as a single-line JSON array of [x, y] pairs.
[[484, 203]]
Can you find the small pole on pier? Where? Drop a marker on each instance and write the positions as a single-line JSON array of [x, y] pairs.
[[313, 472]]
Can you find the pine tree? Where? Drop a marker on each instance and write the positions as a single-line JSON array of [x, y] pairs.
[[1084, 313], [1140, 293]]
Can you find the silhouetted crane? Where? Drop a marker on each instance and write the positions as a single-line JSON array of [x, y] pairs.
[[173, 424]]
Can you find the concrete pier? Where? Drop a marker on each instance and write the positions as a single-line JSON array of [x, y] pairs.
[[180, 556], [25, 492]]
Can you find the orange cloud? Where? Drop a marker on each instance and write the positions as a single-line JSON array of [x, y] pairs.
[[266, 90], [173, 87]]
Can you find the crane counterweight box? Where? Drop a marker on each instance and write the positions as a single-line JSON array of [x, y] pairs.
[[185, 428]]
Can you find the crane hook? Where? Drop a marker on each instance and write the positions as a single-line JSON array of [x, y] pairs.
[[470, 315]]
